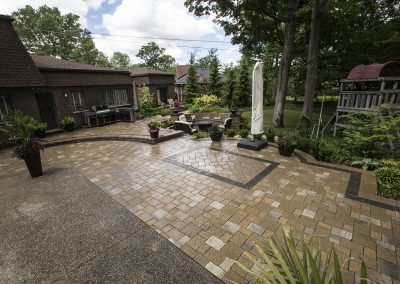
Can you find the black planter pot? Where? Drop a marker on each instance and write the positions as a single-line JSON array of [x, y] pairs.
[[286, 151], [216, 136], [154, 134], [233, 111], [34, 164], [69, 127], [40, 133]]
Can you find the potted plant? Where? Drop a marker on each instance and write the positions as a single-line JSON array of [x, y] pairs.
[[40, 129], [286, 145], [154, 128], [68, 123], [20, 128], [215, 133]]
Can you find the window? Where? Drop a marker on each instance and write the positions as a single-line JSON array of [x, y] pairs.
[[116, 97], [78, 101], [5, 107]]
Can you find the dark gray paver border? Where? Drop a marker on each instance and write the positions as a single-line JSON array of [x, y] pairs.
[[268, 169]]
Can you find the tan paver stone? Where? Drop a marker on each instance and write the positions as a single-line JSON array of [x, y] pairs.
[[189, 208], [215, 243], [214, 269]]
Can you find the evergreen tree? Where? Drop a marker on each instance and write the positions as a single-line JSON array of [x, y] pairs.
[[230, 87], [191, 87], [243, 87], [215, 78]]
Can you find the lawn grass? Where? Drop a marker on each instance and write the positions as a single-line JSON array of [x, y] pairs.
[[292, 114]]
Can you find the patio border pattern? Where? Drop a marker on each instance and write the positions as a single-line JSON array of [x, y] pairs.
[[248, 185], [353, 186]]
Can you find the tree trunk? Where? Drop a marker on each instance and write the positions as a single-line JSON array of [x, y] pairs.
[[312, 61], [284, 66]]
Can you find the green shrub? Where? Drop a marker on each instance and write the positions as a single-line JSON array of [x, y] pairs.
[[367, 134], [244, 133], [207, 103], [286, 264], [167, 123], [145, 101], [230, 132], [388, 179], [366, 164], [67, 120], [161, 111], [244, 122], [271, 133], [200, 135]]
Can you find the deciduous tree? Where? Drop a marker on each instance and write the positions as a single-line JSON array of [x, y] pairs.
[[155, 57], [120, 60], [45, 31]]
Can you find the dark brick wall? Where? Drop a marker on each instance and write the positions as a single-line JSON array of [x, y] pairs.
[[59, 78], [22, 99]]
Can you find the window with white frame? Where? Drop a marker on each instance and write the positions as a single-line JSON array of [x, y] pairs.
[[116, 97], [5, 107], [78, 101]]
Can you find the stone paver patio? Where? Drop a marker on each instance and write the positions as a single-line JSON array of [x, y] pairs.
[[215, 201]]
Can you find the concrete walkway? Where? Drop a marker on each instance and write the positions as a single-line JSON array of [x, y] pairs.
[[62, 228]]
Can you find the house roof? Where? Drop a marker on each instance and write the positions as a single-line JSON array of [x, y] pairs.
[[143, 71], [374, 71], [55, 64], [202, 77], [181, 70], [16, 66]]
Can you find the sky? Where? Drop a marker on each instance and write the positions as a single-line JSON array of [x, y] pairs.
[[126, 25]]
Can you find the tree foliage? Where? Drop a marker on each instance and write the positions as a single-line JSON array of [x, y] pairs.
[[206, 61], [214, 84], [45, 31], [191, 87], [243, 86], [155, 57], [230, 87], [120, 60]]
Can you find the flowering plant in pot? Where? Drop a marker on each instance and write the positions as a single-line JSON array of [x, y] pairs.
[[68, 123], [40, 129], [20, 128], [286, 145], [154, 128], [215, 133]]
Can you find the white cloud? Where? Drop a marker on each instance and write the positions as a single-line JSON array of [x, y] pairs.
[[139, 18], [152, 18]]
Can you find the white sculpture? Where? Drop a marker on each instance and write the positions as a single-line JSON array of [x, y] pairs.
[[257, 111]]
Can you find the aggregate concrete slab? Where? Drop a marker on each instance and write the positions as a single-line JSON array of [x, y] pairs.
[[61, 227]]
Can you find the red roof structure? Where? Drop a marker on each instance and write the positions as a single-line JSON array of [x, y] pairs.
[[375, 71]]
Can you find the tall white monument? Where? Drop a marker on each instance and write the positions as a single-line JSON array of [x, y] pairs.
[[257, 112]]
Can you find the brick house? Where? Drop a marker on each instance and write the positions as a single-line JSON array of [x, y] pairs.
[[160, 83], [48, 88], [181, 76]]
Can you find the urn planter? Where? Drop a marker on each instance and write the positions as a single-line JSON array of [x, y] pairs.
[[34, 164]]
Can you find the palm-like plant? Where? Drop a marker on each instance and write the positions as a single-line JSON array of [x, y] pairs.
[[19, 128], [286, 265]]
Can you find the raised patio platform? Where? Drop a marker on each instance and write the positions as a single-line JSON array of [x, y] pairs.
[[136, 132]]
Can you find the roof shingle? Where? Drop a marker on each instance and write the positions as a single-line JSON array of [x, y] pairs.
[[16, 66], [52, 63], [142, 71]]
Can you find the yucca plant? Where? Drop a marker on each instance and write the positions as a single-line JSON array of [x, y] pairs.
[[285, 265]]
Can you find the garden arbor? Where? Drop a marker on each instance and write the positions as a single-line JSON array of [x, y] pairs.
[[367, 87]]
